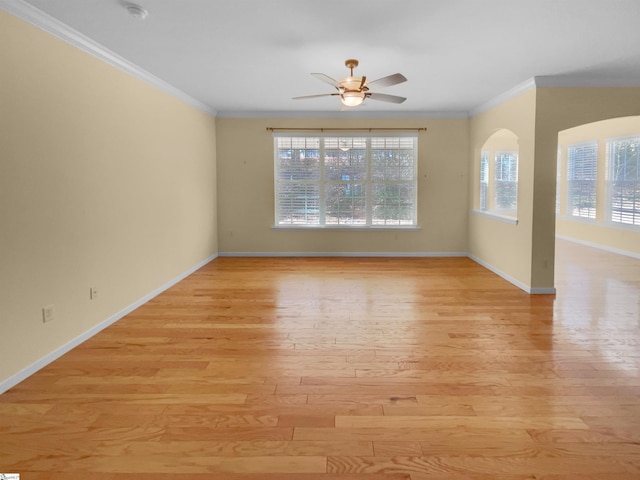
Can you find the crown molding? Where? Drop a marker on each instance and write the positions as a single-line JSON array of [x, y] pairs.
[[336, 114], [45, 22], [36, 17], [503, 97], [574, 81], [550, 81]]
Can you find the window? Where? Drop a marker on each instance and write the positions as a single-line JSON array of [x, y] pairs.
[[582, 179], [498, 177], [624, 180], [506, 181], [484, 181], [350, 181]]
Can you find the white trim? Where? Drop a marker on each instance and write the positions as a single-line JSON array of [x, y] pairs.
[[582, 81], [43, 21], [584, 220], [495, 216], [58, 352], [337, 114], [503, 97], [599, 246], [548, 81], [342, 254], [510, 279]]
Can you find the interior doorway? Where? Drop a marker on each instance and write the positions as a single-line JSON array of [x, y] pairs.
[[598, 192]]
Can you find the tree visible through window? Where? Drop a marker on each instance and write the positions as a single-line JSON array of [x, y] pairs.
[[506, 181], [624, 180], [582, 179], [346, 180], [484, 181]]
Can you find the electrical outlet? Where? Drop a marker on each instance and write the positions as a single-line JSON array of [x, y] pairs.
[[93, 293], [48, 314]]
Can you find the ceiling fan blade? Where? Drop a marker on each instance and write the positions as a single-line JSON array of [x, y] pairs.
[[382, 97], [327, 79], [316, 96], [388, 81]]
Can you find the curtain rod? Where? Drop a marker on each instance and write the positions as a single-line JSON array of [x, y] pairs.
[[275, 129]]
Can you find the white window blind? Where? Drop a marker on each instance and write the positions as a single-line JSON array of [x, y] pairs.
[[484, 180], [506, 181], [345, 180], [582, 179], [624, 180]]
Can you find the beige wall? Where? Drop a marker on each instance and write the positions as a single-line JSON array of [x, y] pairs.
[[598, 231], [246, 191], [525, 252], [561, 108], [105, 182], [110, 183], [504, 246]]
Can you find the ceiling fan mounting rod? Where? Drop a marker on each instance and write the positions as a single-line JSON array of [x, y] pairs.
[[351, 63]]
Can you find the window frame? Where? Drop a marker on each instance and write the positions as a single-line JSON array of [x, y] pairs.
[[514, 155], [484, 181], [635, 215], [592, 212], [364, 180]]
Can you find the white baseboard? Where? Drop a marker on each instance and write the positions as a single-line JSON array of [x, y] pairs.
[[599, 246], [44, 361], [57, 353], [510, 279]]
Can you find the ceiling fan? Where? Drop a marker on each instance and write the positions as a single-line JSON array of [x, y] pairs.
[[355, 90]]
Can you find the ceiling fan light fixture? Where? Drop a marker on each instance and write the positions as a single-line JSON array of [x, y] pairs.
[[351, 83], [353, 91], [352, 98]]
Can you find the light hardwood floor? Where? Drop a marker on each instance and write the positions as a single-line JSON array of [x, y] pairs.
[[348, 369]]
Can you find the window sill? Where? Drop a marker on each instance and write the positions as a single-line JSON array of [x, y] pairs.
[[574, 218], [602, 224], [496, 216], [623, 226], [360, 228]]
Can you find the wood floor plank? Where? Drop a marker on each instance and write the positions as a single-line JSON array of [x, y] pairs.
[[247, 476], [347, 369], [397, 421], [243, 448], [448, 436], [462, 465]]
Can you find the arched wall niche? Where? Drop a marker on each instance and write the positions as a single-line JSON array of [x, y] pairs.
[[497, 174]]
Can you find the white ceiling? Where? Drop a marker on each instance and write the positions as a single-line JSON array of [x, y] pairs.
[[251, 56]]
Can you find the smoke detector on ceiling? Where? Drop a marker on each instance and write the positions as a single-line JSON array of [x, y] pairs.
[[136, 11]]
